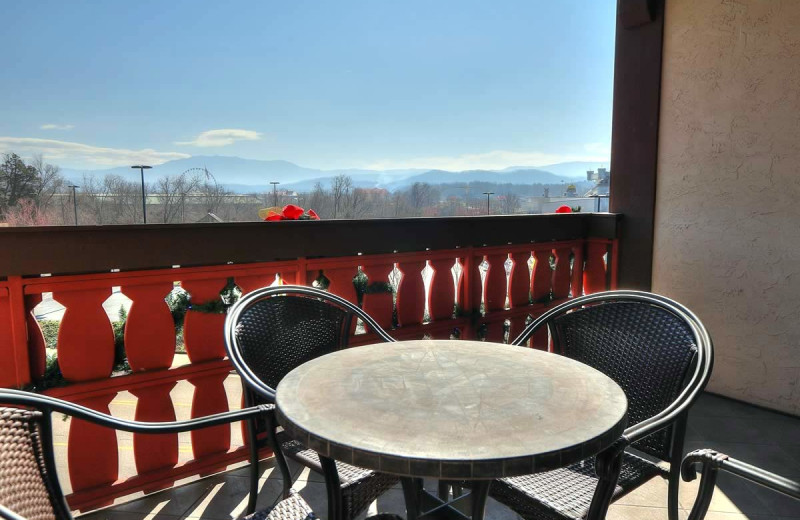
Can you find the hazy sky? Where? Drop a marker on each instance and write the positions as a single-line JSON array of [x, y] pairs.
[[327, 84]]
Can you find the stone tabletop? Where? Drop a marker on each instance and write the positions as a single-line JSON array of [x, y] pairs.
[[451, 409]]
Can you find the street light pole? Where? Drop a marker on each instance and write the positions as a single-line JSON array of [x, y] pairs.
[[488, 193], [74, 201], [142, 168], [275, 192]]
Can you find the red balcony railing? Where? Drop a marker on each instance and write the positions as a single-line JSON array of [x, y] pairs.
[[458, 277]]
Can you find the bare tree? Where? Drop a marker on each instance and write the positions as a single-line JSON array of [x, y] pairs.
[[27, 213], [510, 203], [172, 193], [212, 195], [358, 204], [340, 191], [50, 181], [421, 195], [319, 200]]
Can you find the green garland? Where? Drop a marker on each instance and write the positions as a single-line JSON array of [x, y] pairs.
[[210, 307]]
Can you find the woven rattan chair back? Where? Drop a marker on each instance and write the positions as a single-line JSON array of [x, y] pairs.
[[274, 330], [645, 348], [26, 483]]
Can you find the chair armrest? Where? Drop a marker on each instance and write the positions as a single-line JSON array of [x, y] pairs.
[[7, 514], [47, 403], [661, 420], [710, 462]]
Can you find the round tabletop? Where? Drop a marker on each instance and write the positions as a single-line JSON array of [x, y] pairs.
[[451, 409]]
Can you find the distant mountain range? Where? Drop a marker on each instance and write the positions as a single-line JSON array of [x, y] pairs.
[[249, 175]]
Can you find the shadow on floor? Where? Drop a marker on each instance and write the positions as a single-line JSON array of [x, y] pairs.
[[754, 435]]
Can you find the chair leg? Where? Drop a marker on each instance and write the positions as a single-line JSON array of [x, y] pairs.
[[333, 488], [444, 490], [480, 494], [412, 489], [676, 456], [705, 493], [252, 442], [607, 466], [674, 481], [280, 459]]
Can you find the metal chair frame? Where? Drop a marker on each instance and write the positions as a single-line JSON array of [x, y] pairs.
[[710, 463], [47, 405], [608, 463], [253, 387]]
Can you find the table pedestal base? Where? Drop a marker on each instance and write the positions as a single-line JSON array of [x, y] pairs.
[[421, 505]]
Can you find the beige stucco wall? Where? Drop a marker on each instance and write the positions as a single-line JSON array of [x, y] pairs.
[[727, 230]]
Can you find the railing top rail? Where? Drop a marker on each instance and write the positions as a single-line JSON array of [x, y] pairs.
[[31, 251]]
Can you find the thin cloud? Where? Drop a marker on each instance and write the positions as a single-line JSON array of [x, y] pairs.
[[221, 137], [65, 151], [494, 160], [53, 126]]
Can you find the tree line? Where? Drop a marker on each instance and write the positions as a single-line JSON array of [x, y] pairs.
[[34, 193]]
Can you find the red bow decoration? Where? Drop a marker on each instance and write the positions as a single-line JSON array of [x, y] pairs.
[[564, 209], [292, 212]]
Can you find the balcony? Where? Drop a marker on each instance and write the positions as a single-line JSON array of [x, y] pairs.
[[702, 131], [468, 277], [464, 277]]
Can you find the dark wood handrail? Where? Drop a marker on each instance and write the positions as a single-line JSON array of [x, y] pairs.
[[32, 251]]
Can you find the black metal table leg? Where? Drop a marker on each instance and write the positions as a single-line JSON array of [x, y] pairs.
[[333, 488], [480, 494], [411, 493]]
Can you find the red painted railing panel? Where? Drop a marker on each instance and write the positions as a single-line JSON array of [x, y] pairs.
[[155, 452], [8, 372], [149, 329], [561, 274], [594, 272], [85, 337], [542, 274], [496, 285], [520, 292], [202, 330], [411, 294], [577, 271], [379, 305], [443, 289], [210, 398], [92, 450]]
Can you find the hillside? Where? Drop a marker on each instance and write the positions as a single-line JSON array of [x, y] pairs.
[[253, 175]]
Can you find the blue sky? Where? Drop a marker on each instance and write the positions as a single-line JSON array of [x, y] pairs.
[[443, 84]]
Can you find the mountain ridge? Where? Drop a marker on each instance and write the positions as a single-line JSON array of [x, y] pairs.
[[246, 175]]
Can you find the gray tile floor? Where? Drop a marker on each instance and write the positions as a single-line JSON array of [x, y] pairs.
[[760, 437]]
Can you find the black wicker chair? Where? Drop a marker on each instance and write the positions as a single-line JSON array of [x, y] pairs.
[[273, 330], [710, 462], [29, 487], [661, 356]]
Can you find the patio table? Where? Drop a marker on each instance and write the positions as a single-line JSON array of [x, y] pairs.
[[450, 410]]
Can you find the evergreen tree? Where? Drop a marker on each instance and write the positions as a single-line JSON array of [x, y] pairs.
[[18, 181]]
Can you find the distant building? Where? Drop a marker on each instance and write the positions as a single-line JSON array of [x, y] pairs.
[[602, 180], [599, 175], [601, 188]]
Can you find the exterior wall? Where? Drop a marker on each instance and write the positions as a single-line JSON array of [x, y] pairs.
[[727, 228]]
